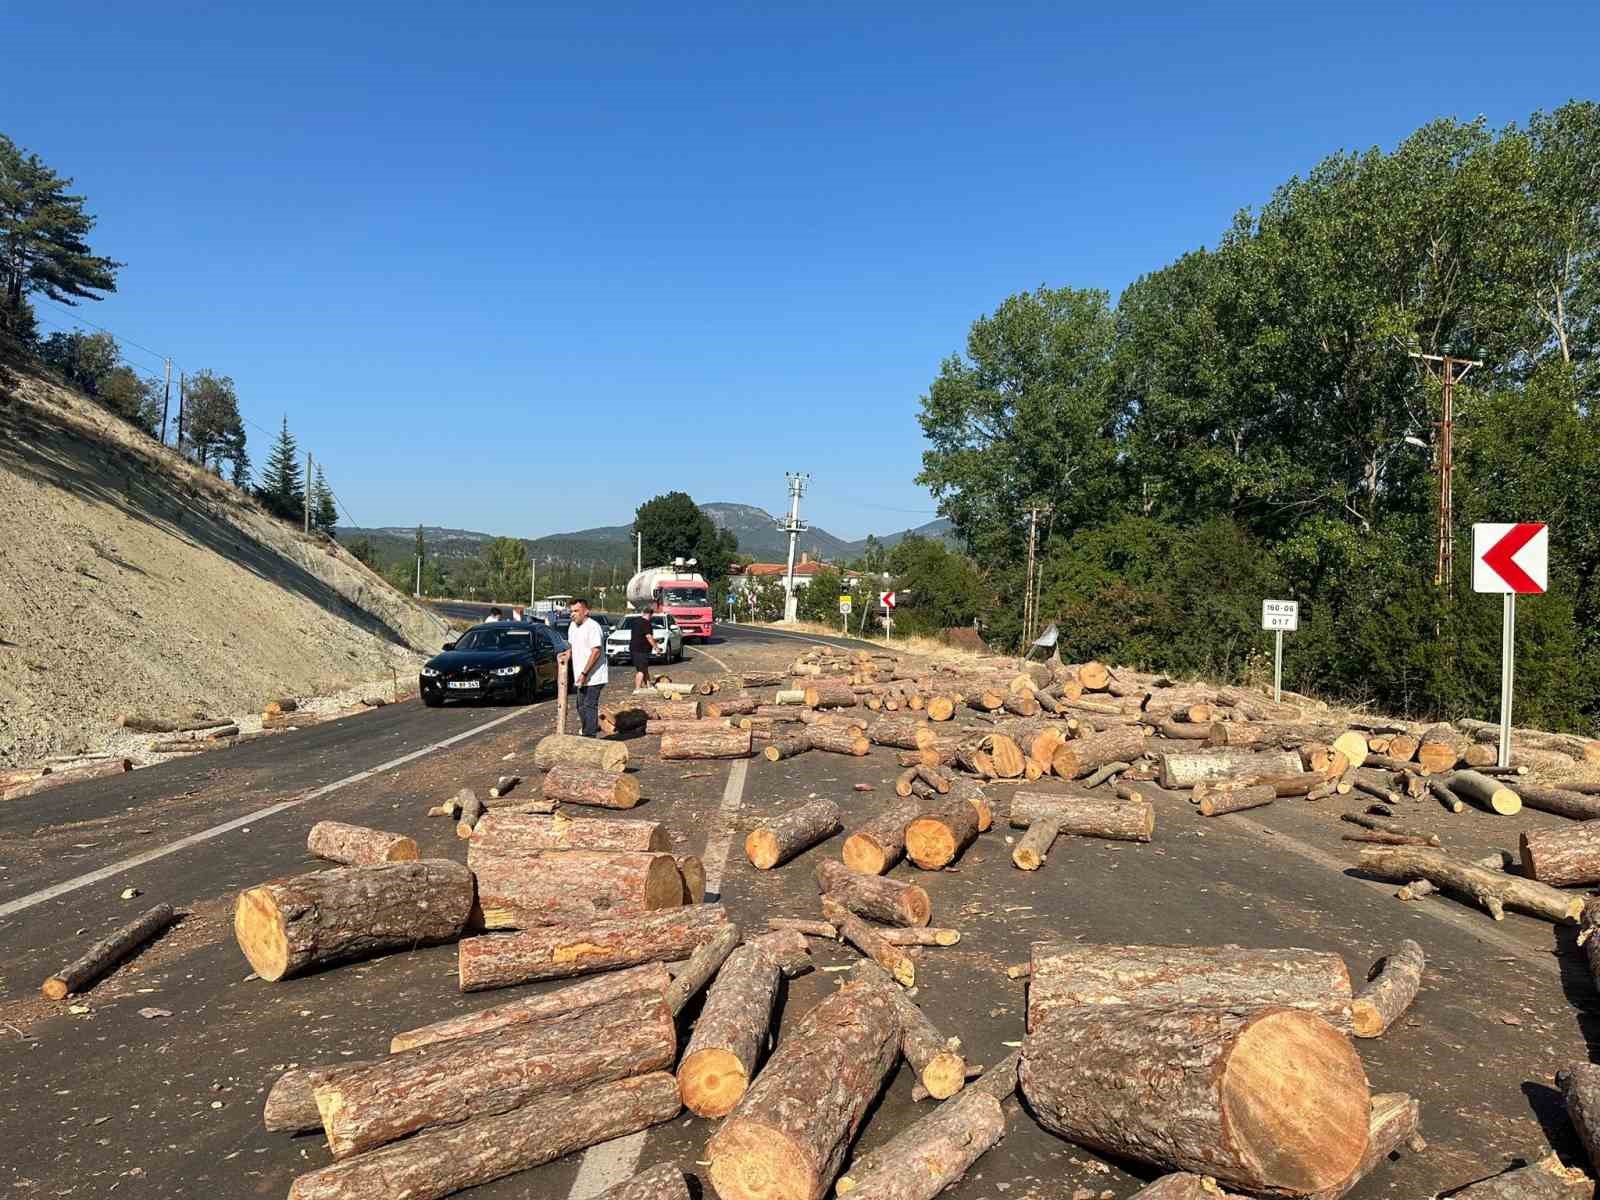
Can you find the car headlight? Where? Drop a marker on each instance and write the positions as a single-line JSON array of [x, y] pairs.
[[507, 670], [430, 673]]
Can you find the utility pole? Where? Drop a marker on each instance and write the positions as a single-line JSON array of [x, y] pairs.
[[166, 401], [533, 579], [1030, 599], [419, 575], [794, 526], [1444, 458], [638, 541], [308, 491], [178, 441]]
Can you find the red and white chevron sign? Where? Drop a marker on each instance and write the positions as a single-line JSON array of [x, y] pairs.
[[1511, 558]]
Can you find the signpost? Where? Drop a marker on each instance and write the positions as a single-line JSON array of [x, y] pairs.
[[732, 619], [844, 613], [887, 600], [1279, 616], [1513, 560]]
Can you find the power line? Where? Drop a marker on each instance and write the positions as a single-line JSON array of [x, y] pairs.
[[120, 338]]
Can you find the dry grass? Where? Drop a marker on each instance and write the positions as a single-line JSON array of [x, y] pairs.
[[917, 646]]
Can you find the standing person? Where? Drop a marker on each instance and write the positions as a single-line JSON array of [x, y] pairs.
[[641, 645], [494, 615], [590, 675]]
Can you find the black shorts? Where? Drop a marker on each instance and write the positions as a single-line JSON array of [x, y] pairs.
[[640, 659]]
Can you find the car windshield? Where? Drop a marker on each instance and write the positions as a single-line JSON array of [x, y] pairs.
[[495, 639], [683, 595]]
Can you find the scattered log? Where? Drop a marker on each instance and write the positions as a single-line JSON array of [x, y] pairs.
[[1181, 1185], [837, 740], [471, 812], [1378, 1005], [530, 834], [933, 779], [445, 1083], [1392, 1124], [435, 1164], [1496, 892], [1106, 772], [358, 846], [865, 938], [760, 679], [1418, 889], [1085, 816], [1589, 938], [1217, 802], [1034, 845], [992, 755], [1580, 1087], [693, 873], [1546, 1179], [821, 929], [139, 723], [1486, 793], [780, 748], [559, 952], [568, 887], [1562, 857], [706, 743], [937, 837], [658, 728], [1439, 749], [924, 936], [1403, 746], [1563, 801], [1204, 1090], [291, 1103], [1186, 768], [597, 787], [289, 926], [903, 733], [651, 977], [1441, 792], [790, 696], [940, 1067], [940, 1159], [570, 750], [663, 1182], [1068, 975], [703, 964], [105, 954], [1084, 755], [730, 706], [503, 786], [788, 1134], [830, 694], [778, 839], [1093, 676], [888, 901], [730, 1033], [881, 842]]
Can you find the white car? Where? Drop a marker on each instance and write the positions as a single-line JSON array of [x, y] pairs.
[[669, 639]]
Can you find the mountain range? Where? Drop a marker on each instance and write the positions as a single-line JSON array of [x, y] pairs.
[[757, 531]]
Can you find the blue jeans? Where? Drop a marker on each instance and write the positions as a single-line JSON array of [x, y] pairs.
[[589, 709]]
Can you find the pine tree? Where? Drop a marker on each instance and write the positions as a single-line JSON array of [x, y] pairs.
[[324, 508], [281, 489]]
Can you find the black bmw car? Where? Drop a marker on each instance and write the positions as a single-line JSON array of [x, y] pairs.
[[501, 660]]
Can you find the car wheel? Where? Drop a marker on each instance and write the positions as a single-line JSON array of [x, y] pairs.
[[432, 701]]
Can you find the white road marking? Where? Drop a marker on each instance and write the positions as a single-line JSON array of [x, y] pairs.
[[609, 1163], [715, 659], [206, 835]]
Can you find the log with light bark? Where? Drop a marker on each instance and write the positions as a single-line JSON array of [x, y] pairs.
[[1439, 749], [1038, 737], [658, 728], [505, 833], [289, 926], [936, 837], [786, 746], [471, 812], [1563, 801], [1391, 1124], [865, 938], [662, 1182], [442, 1161], [1034, 846], [1184, 769], [778, 839], [569, 887], [597, 787], [838, 740], [651, 977], [1069, 975], [903, 733], [139, 723], [1586, 750], [887, 901], [761, 679], [1488, 794], [985, 699], [1418, 889], [562, 951], [1379, 1004], [1216, 803], [570, 750], [830, 694], [706, 743], [939, 1159], [991, 755], [692, 870], [702, 966], [818, 929], [1273, 1101], [789, 696], [938, 1063], [1562, 857], [291, 1103], [1082, 756], [1545, 1179], [1087, 816], [1093, 676], [787, 1136], [1496, 892], [445, 1083], [1403, 746], [1381, 826], [1589, 938], [1272, 735], [1580, 1088], [923, 936], [105, 954], [876, 846], [730, 1033], [731, 706]]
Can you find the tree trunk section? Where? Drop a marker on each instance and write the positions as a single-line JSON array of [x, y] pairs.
[[1546, 1179], [937, 838], [1204, 1090], [779, 839], [105, 954], [1086, 816], [664, 1182], [940, 1069], [788, 746], [895, 961], [357, 846], [1187, 768], [1492, 889], [838, 740], [1580, 1087], [693, 873], [289, 926], [830, 694], [597, 787], [1439, 749], [1084, 755], [1379, 1005], [730, 1033], [529, 834], [658, 728], [1066, 977], [1562, 857], [903, 733], [881, 842], [888, 901], [1216, 803], [570, 750], [1488, 794], [291, 1104], [939, 1159], [1564, 802], [1034, 845], [786, 1138], [568, 887], [919, 936], [435, 1164], [560, 952], [706, 743]]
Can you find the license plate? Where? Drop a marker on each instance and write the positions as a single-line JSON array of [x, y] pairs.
[[463, 683]]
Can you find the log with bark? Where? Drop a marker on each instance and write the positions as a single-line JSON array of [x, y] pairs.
[[991, 755], [1563, 801], [787, 746], [442, 1161], [936, 838], [1580, 1088], [1205, 1090], [938, 1063], [569, 887], [1087, 816], [865, 938], [1272, 735], [1545, 1179], [730, 1033], [288, 926], [1488, 794], [1038, 737], [1589, 938], [731, 706], [561, 951], [471, 812], [444, 1083], [503, 786], [788, 1135], [291, 1103], [702, 966], [1495, 891], [820, 929], [570, 750], [658, 728], [1068, 975], [692, 870], [1439, 749], [888, 901], [1082, 756], [903, 733], [1186, 768], [830, 694], [597, 787], [1379, 1004], [778, 839], [1391, 1124], [662, 1182], [939, 1159], [1418, 889], [100, 958], [920, 936], [706, 743], [1562, 857], [1218, 801], [876, 846], [1034, 846], [504, 833]]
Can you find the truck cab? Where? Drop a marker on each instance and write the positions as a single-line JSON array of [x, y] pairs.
[[687, 602]]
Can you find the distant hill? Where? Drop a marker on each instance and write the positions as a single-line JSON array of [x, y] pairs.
[[756, 529]]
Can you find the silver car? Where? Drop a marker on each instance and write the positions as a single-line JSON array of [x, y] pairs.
[[669, 639]]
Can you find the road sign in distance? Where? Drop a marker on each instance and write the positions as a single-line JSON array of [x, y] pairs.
[[1511, 558], [844, 605], [1280, 614], [886, 599]]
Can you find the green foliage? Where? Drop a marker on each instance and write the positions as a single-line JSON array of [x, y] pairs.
[[674, 527], [506, 569], [132, 397], [213, 431], [282, 489], [82, 359], [324, 508], [362, 549], [938, 587]]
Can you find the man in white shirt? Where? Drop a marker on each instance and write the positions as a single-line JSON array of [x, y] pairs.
[[589, 667]]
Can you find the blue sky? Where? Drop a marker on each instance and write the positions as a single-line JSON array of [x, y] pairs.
[[516, 268]]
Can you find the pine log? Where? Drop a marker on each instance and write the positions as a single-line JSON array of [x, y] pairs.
[[471, 812], [760, 679], [559, 952], [1034, 845], [703, 964], [1564, 802], [1181, 1185], [786, 947], [1069, 975], [937, 837], [1392, 1124], [923, 936], [1488, 794], [1545, 1179], [780, 748], [597, 787], [1187, 768], [730, 1033], [1204, 1090], [530, 834], [503, 786], [903, 733], [1562, 857], [787, 1136], [289, 926], [778, 839], [940, 1159], [1272, 735], [1093, 676], [1086, 816], [1038, 737], [940, 708], [570, 750], [1589, 938], [1441, 792], [569, 887], [1418, 889], [1379, 1004], [658, 728], [888, 901], [1083, 755], [836, 740], [820, 929], [830, 694], [692, 870], [651, 977], [933, 779], [731, 706], [1439, 749], [291, 1103], [437, 1163], [940, 1067], [662, 1182], [985, 699], [1496, 892], [1101, 774], [445, 1083], [1374, 823], [880, 843], [706, 743], [1215, 804], [973, 793], [105, 954], [865, 938], [1580, 1087]]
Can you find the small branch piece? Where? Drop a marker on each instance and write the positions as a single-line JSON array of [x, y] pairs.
[[1378, 1005]]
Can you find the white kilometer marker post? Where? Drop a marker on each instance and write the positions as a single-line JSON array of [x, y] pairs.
[[1279, 615]]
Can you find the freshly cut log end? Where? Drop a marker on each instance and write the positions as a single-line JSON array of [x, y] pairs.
[[566, 886], [1217, 803], [291, 1104], [355, 845], [1378, 1005], [1035, 844], [596, 786], [1486, 792], [721, 1057], [936, 839], [889, 901], [778, 840], [881, 842]]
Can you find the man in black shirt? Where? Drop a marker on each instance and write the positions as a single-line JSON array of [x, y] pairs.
[[641, 645]]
